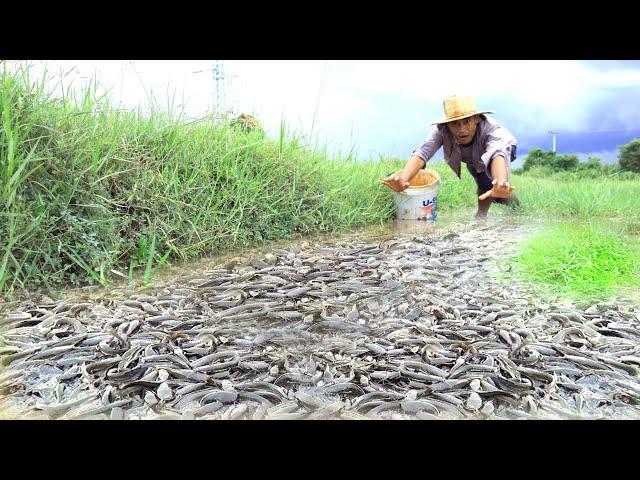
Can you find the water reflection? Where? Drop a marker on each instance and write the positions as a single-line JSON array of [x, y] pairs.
[[415, 227]]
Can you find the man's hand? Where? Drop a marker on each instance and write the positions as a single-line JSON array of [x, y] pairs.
[[500, 189], [396, 182]]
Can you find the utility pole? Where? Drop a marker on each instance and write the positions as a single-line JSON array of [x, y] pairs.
[[217, 73], [218, 78], [554, 140]]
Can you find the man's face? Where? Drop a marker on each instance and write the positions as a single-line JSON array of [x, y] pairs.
[[464, 129]]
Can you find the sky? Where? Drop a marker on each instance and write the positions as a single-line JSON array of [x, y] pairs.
[[385, 108]]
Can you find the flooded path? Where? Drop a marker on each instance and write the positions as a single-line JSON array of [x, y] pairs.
[[402, 322]]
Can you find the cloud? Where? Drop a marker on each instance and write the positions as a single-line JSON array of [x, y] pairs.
[[384, 106], [388, 103]]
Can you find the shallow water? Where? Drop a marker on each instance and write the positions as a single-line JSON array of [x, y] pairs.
[[167, 275], [446, 223], [291, 343]]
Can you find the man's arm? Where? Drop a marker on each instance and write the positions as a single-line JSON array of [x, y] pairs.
[[401, 181], [418, 161], [500, 174], [499, 168]]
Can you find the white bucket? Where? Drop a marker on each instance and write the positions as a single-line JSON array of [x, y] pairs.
[[419, 202]]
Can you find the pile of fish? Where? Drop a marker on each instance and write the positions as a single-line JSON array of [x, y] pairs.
[[401, 328]]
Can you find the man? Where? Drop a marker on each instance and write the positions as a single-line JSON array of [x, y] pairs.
[[468, 136]]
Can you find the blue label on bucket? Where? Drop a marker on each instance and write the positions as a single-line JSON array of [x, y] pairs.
[[429, 209]]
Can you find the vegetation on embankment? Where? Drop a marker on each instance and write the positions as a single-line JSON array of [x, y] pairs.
[[90, 192]]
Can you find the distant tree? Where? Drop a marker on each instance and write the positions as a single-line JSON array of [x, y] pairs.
[[610, 169], [565, 162], [536, 157], [591, 168], [629, 158], [592, 163]]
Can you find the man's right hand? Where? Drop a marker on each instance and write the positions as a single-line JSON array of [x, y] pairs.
[[396, 182]]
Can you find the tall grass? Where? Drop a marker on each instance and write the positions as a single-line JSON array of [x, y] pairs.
[[89, 192], [594, 252], [556, 196], [584, 198]]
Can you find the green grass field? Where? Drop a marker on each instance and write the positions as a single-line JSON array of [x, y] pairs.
[[551, 197]]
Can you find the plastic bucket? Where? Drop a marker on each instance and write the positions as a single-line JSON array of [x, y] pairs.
[[420, 200]]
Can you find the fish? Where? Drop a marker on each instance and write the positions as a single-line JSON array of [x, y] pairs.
[[402, 328]]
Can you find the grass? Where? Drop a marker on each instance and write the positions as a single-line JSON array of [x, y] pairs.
[[580, 198], [90, 192], [584, 261], [590, 247], [551, 197]]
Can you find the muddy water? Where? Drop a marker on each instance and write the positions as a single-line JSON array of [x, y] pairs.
[[405, 320], [172, 274], [447, 222]]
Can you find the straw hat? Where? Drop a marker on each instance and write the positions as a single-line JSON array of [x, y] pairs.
[[457, 107]]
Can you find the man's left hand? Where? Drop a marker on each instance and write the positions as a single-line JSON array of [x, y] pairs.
[[500, 189]]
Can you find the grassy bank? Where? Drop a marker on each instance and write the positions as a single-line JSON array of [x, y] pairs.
[[89, 192]]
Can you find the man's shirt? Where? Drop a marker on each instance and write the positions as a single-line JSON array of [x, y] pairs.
[[490, 140]]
